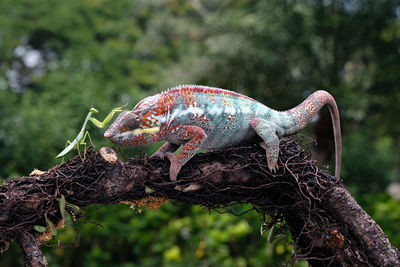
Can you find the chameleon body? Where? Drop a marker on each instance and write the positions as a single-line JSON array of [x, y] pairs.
[[200, 117]]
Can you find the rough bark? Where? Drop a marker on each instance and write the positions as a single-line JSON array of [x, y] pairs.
[[30, 248], [326, 223]]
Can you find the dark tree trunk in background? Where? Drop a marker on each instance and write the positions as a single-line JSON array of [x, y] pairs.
[[327, 225]]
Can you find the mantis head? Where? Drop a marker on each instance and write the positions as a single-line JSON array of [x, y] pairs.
[[93, 110]]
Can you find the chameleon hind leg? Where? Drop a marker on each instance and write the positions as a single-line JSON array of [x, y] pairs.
[[167, 147], [270, 140], [196, 137]]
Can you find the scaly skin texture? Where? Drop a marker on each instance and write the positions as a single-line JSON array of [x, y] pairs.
[[200, 117]]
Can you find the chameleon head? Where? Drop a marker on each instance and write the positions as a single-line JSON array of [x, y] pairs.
[[126, 121], [135, 124]]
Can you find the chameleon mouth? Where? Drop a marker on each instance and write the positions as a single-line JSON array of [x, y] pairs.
[[145, 130], [133, 133]]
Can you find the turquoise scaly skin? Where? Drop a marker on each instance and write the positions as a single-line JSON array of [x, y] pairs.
[[200, 117]]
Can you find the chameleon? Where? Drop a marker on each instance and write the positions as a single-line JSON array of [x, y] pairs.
[[196, 117]]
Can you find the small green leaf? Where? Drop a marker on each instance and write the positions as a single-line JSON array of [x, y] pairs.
[[53, 230], [72, 206], [39, 228], [148, 190], [61, 204], [263, 228], [271, 234]]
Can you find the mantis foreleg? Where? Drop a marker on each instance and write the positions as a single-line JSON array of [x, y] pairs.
[[101, 124]]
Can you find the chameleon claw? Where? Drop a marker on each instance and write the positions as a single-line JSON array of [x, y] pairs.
[[190, 188], [273, 166], [272, 157], [158, 155]]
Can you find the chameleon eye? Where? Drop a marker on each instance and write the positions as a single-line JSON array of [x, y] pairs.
[[132, 120]]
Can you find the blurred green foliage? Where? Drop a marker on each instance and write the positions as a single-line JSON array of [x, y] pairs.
[[58, 58]]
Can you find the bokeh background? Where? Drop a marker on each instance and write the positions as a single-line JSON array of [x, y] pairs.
[[59, 58]]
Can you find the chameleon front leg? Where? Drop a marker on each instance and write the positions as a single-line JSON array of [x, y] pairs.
[[270, 140], [167, 147], [196, 137]]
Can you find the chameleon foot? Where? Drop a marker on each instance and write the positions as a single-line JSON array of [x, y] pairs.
[[271, 157], [190, 188], [270, 143], [158, 155], [174, 168], [167, 147]]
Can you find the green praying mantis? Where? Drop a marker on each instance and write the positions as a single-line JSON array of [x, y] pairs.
[[80, 138]]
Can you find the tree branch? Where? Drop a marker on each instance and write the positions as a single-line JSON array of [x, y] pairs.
[[327, 225], [31, 250]]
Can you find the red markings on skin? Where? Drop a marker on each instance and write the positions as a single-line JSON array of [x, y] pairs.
[[272, 157], [188, 134], [192, 146], [201, 121], [175, 130], [230, 122], [311, 107], [126, 142], [209, 91], [144, 121], [299, 116], [164, 131], [211, 97], [322, 97], [149, 120], [165, 103], [149, 103], [227, 100], [124, 128], [196, 136], [304, 112], [183, 156], [143, 139], [254, 122], [188, 97], [232, 118]]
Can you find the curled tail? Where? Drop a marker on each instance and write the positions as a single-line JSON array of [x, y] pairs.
[[307, 110]]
